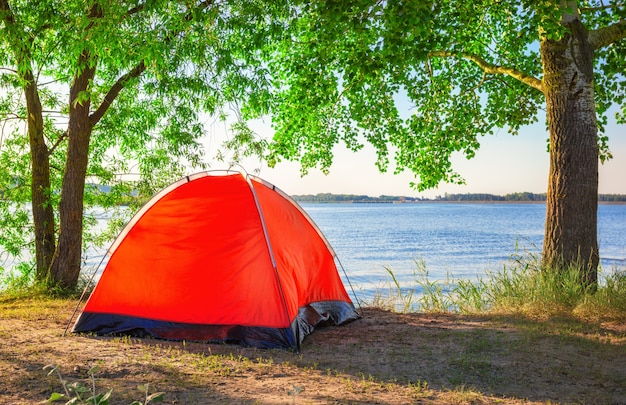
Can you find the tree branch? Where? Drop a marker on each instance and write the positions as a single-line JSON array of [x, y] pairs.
[[490, 68], [201, 6], [114, 91], [6, 10], [599, 8], [58, 142], [137, 9], [11, 117], [607, 35]]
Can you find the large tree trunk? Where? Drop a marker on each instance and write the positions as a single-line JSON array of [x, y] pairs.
[[65, 268], [43, 215], [572, 201]]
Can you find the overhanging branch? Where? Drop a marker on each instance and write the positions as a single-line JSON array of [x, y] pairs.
[[607, 35], [114, 91], [490, 68], [117, 87], [599, 8]]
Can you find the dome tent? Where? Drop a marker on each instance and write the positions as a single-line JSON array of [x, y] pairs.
[[221, 257]]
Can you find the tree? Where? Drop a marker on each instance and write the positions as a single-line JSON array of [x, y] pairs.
[[468, 68], [99, 85]]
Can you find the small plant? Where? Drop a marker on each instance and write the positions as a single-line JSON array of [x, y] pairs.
[[76, 392], [17, 279], [297, 389], [404, 298], [145, 388], [435, 294], [419, 387]]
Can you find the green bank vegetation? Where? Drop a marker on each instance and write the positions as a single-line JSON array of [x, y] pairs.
[[521, 288]]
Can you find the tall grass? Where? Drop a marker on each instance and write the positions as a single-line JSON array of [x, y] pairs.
[[520, 287], [19, 281], [18, 278]]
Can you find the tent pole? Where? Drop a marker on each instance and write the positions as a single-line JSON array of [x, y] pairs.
[[271, 251], [317, 229]]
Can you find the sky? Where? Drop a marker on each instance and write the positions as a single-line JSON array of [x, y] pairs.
[[503, 164]]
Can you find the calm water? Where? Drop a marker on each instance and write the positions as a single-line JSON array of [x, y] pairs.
[[453, 239], [459, 240]]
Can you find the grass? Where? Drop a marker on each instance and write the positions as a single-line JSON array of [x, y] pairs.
[[511, 335], [521, 288], [386, 357], [33, 306]]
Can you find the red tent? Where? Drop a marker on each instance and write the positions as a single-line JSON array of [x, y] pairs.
[[219, 257]]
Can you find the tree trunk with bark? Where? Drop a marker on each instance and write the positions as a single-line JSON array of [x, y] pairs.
[[65, 268], [43, 214], [572, 199]]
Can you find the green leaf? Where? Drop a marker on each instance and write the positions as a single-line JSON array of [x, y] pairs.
[[99, 399], [144, 388], [156, 397], [77, 387], [93, 370], [50, 367], [55, 396], [104, 399]]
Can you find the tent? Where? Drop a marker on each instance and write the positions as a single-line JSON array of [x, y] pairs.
[[219, 257]]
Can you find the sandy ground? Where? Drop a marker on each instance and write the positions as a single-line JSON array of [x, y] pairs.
[[383, 358]]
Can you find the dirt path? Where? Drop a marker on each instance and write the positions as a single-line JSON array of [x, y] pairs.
[[384, 358]]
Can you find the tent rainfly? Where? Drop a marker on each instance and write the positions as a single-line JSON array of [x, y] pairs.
[[219, 257]]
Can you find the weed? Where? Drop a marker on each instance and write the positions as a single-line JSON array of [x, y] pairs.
[[464, 394], [79, 393], [296, 390], [145, 388], [19, 279], [419, 387], [76, 392], [404, 298]]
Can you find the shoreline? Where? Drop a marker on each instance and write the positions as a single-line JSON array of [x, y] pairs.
[[441, 202]]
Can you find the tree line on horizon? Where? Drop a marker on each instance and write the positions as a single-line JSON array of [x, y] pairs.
[[482, 197]]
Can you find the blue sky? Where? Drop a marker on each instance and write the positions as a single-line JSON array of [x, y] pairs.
[[504, 164]]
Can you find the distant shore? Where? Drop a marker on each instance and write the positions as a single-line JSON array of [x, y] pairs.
[[481, 198]]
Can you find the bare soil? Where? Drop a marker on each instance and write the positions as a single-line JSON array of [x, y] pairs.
[[383, 358]]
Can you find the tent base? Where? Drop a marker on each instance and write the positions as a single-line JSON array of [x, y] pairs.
[[309, 316]]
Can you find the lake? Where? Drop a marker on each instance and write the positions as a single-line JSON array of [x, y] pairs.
[[453, 239], [460, 240]]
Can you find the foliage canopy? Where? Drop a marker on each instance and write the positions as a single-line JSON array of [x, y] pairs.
[[92, 90], [128, 84], [343, 73]]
